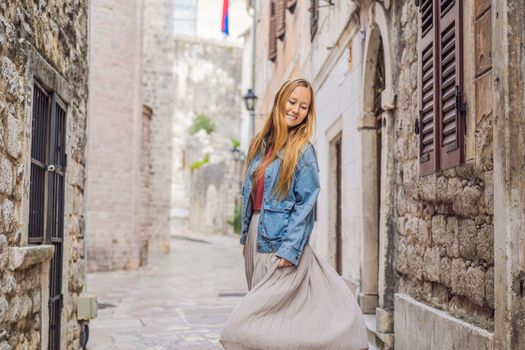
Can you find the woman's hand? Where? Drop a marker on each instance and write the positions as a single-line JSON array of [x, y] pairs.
[[283, 263]]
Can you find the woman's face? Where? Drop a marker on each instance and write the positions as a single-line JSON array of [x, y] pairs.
[[297, 106]]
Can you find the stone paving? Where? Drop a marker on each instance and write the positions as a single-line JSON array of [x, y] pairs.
[[179, 301]]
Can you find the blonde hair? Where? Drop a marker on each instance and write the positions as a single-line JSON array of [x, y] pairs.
[[289, 140]]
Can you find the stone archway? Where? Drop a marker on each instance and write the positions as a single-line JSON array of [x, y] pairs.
[[377, 135]]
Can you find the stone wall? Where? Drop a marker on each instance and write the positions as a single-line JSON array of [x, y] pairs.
[[47, 42], [208, 78], [114, 176], [444, 221], [508, 115], [159, 88], [214, 189], [428, 250]]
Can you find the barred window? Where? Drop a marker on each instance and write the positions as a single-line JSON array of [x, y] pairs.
[[47, 181]]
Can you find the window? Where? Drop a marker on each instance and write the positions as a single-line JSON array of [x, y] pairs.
[[281, 19], [277, 25], [185, 17], [38, 165], [272, 40], [441, 122], [314, 17], [48, 162], [46, 204]]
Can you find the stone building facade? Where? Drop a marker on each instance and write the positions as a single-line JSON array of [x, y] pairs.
[[214, 188], [335, 72], [185, 76], [159, 88], [43, 113], [208, 83], [434, 237], [115, 178]]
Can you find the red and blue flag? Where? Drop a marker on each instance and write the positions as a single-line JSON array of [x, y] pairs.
[[225, 28]]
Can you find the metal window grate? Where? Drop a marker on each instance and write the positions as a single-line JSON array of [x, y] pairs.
[[38, 165], [46, 206], [55, 228]]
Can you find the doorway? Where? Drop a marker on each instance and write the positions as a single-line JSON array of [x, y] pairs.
[[336, 192]]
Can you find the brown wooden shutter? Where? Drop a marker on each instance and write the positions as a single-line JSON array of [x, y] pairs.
[[427, 94], [290, 4], [451, 128], [272, 40], [314, 17], [281, 19]]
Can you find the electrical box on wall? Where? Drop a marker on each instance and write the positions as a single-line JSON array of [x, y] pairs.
[[86, 307]]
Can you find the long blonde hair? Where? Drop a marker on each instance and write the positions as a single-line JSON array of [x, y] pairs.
[[290, 140]]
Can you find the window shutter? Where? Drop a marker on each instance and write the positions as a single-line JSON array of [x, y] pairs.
[[281, 19], [39, 139], [272, 40], [314, 17], [451, 128], [57, 159], [291, 5], [427, 95]]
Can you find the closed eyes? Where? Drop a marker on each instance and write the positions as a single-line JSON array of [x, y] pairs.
[[294, 102]]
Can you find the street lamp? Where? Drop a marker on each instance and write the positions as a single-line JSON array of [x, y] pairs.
[[236, 153], [249, 102]]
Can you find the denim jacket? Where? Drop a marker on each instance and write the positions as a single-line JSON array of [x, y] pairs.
[[284, 225]]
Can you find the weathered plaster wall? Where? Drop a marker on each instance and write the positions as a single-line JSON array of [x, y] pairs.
[[338, 106], [332, 63], [297, 54]]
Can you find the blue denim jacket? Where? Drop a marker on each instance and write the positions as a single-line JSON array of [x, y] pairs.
[[284, 225]]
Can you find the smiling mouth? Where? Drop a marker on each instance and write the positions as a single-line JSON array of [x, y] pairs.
[[290, 117]]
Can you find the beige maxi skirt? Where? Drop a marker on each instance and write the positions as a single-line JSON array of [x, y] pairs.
[[303, 307]]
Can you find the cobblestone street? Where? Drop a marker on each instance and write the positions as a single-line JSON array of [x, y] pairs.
[[179, 301]]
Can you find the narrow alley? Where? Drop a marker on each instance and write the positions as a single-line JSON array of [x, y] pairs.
[[137, 139], [179, 301]]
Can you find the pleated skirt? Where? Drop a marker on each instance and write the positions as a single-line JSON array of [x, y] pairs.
[[303, 307]]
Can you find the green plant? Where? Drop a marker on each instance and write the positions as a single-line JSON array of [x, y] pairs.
[[235, 143], [199, 163], [201, 121], [236, 220]]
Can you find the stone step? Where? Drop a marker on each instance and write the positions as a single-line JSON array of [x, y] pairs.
[[377, 340]]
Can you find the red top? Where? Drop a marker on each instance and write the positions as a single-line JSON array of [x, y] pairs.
[[258, 185]]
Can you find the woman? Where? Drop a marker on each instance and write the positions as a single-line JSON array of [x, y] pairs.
[[296, 300]]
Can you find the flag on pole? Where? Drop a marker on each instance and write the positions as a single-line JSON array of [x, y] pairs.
[[225, 28]]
